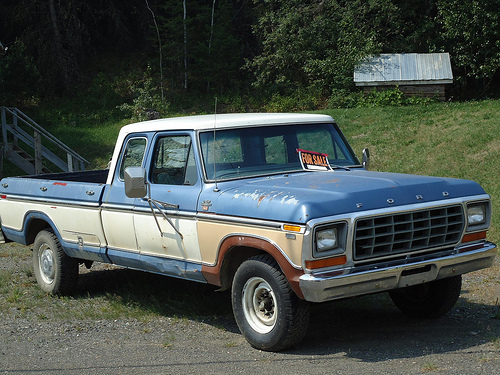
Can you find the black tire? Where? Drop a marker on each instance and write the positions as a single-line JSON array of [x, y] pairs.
[[429, 300], [55, 272], [268, 312]]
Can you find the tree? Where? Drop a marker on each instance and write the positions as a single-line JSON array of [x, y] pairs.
[[283, 46], [60, 36], [405, 26], [19, 77], [199, 43], [471, 33], [313, 44]]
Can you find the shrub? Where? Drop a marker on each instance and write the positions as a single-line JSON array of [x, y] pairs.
[[301, 100], [147, 103], [19, 77], [393, 97]]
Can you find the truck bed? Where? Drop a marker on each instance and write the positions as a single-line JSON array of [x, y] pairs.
[[95, 176], [74, 188]]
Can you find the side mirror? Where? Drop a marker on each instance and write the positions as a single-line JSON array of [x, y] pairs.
[[135, 182], [366, 158]]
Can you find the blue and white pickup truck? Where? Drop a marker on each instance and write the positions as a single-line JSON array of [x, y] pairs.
[[275, 207]]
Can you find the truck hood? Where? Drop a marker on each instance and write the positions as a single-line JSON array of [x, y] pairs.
[[301, 197]]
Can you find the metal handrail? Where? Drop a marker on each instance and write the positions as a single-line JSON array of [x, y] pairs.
[[19, 115], [31, 123]]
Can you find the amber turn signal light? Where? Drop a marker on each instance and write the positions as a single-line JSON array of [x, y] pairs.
[[474, 237], [328, 262]]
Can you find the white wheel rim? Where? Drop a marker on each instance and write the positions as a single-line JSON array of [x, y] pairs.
[[46, 263], [259, 305]]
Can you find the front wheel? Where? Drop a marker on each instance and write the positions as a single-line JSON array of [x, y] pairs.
[[429, 300], [55, 272], [269, 314]]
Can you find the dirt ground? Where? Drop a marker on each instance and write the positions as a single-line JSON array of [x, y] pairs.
[[366, 335]]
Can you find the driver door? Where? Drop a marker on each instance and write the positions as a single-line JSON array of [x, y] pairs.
[[170, 246]]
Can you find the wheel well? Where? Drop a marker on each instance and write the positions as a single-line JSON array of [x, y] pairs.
[[34, 227], [233, 259], [236, 249]]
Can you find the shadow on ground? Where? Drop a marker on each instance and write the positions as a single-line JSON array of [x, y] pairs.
[[158, 294], [368, 328], [372, 329]]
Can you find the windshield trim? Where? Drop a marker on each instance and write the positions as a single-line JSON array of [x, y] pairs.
[[268, 173]]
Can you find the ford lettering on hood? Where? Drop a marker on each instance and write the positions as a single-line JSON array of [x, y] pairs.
[[300, 197]]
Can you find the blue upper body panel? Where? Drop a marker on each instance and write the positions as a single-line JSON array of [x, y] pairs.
[[300, 197], [71, 192], [295, 197]]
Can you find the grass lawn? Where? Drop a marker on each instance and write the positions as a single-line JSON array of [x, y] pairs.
[[460, 140]]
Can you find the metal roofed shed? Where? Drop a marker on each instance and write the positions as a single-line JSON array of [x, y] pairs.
[[415, 74]]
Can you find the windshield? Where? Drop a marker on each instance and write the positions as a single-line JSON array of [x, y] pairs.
[[267, 150]]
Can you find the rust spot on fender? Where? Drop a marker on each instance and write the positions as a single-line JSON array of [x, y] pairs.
[[261, 198]]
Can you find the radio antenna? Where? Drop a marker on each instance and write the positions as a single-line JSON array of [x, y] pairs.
[[216, 189]]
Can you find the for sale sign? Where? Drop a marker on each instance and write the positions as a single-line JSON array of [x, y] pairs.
[[312, 160]]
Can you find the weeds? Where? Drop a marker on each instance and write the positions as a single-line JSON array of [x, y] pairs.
[[168, 342], [15, 295], [108, 295], [496, 342], [497, 314], [429, 367], [4, 278]]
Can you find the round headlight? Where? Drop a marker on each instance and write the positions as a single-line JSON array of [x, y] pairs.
[[327, 239]]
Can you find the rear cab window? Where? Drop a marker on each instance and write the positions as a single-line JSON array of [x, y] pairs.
[[133, 154]]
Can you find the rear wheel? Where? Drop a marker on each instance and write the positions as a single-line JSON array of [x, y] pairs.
[[429, 300], [55, 271], [269, 314]]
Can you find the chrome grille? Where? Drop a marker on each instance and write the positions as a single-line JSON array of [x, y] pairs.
[[382, 236]]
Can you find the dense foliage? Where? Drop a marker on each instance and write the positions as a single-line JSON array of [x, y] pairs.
[[305, 50]]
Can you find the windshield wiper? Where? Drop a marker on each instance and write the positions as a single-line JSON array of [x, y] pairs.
[[339, 167]]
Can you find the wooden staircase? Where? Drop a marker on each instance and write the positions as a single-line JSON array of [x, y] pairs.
[[22, 159], [31, 148]]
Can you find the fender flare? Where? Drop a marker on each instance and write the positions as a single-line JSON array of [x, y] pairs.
[[25, 236], [215, 274]]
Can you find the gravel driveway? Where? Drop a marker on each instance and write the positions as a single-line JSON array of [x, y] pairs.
[[366, 335]]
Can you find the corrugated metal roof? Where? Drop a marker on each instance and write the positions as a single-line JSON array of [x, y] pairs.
[[404, 68]]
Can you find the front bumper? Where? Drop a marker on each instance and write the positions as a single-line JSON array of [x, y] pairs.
[[337, 284]]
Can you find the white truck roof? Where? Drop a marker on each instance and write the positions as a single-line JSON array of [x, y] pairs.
[[223, 121], [209, 122]]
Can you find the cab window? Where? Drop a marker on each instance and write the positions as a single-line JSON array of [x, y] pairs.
[[133, 154], [173, 161]]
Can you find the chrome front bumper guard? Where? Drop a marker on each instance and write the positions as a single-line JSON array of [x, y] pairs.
[[337, 284]]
